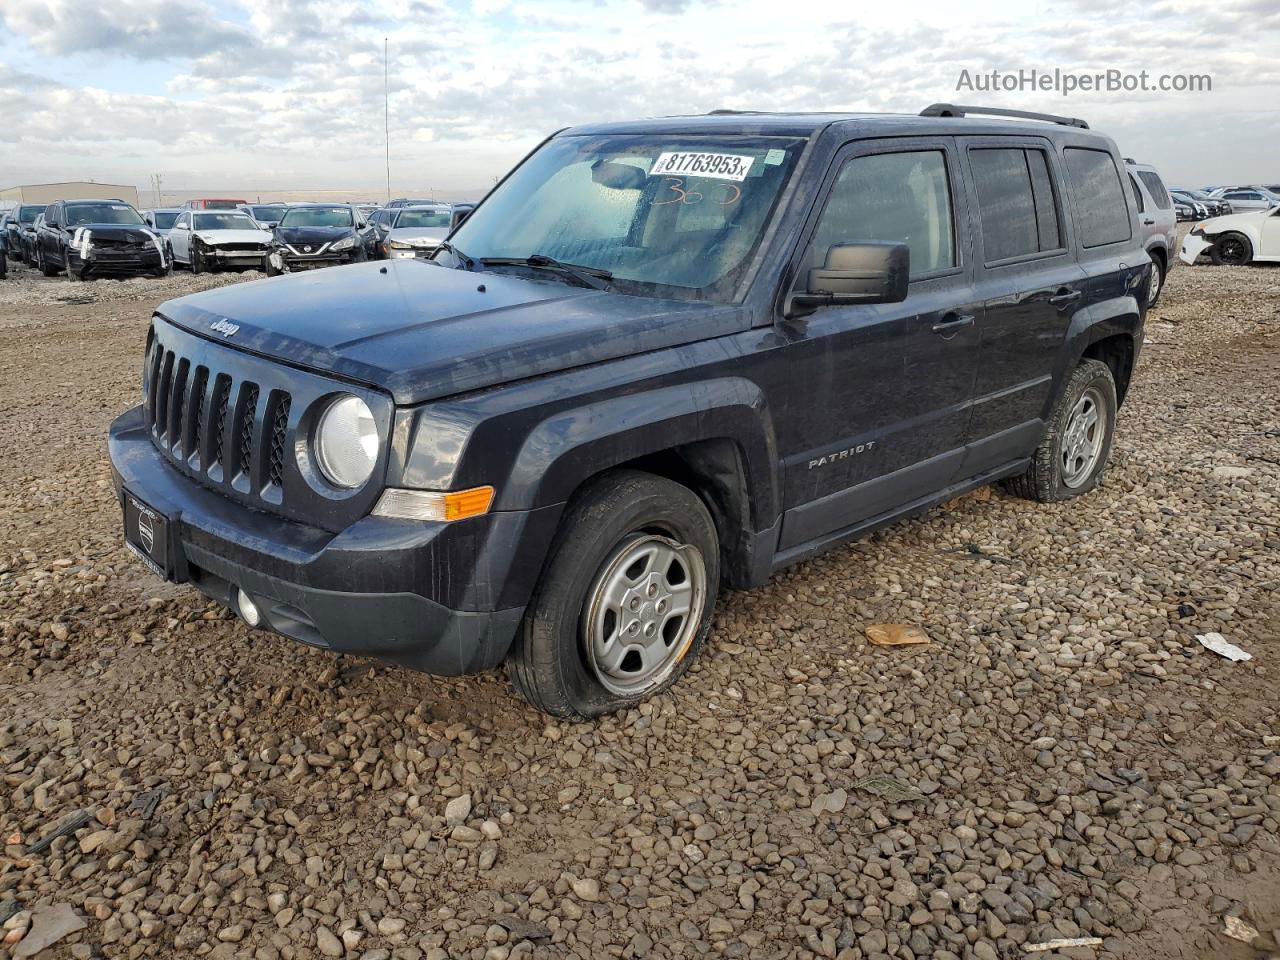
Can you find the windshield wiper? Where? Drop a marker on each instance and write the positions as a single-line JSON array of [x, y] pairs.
[[468, 263], [593, 277]]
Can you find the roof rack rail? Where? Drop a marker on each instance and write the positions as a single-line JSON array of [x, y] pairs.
[[726, 112], [961, 110]]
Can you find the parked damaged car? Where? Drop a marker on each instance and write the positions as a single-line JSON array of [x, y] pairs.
[[20, 219], [208, 240], [1250, 237], [417, 231], [313, 235], [88, 239]]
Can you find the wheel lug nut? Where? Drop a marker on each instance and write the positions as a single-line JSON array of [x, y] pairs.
[[650, 630], [653, 590], [635, 603], [634, 628], [661, 606]]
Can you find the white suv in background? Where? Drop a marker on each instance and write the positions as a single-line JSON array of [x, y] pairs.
[[1158, 220]]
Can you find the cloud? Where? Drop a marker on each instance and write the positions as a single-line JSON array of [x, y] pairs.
[[141, 29], [290, 92]]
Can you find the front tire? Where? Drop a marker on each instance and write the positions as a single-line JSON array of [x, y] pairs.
[[1155, 283], [1231, 249], [625, 601], [197, 260], [1073, 454], [43, 265]]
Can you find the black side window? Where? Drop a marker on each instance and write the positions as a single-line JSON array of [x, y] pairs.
[[1015, 199], [1095, 182], [1137, 193], [1155, 186], [891, 198]]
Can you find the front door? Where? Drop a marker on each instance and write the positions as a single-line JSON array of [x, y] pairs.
[[180, 238], [879, 393]]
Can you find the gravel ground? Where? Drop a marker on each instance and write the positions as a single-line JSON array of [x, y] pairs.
[[1062, 760]]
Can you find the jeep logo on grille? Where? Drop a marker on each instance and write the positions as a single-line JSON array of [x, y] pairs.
[[226, 328], [146, 533]]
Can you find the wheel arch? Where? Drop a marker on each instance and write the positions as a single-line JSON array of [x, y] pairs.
[[1117, 351], [715, 437]]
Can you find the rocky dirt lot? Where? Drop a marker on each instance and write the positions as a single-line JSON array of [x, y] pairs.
[[1062, 760]]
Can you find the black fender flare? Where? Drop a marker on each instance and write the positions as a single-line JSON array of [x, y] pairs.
[[569, 447]]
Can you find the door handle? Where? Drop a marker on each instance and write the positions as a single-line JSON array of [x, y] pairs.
[[952, 323], [1065, 297], [1148, 223]]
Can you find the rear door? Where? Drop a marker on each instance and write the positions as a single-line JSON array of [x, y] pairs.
[[1031, 286], [878, 393]]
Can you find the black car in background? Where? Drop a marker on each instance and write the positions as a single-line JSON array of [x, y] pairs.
[[320, 235], [19, 218], [97, 238]]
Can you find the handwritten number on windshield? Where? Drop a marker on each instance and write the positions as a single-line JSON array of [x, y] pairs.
[[681, 195]]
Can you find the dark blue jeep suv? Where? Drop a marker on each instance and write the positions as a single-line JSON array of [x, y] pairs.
[[659, 359]]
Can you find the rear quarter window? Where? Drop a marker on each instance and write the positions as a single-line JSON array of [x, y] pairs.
[[1155, 186], [1099, 196]]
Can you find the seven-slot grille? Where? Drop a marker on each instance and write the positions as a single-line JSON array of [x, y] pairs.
[[230, 432]]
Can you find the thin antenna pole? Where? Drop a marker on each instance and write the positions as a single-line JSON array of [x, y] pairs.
[[386, 114]]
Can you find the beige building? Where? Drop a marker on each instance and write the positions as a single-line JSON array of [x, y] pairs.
[[72, 190]]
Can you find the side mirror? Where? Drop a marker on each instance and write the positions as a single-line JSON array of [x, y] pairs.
[[459, 216], [853, 273]]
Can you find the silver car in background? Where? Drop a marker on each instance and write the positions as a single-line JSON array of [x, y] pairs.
[[207, 240], [1158, 220], [417, 231], [161, 220], [266, 215], [1243, 199]]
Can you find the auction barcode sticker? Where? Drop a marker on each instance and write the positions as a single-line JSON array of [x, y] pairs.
[[719, 166]]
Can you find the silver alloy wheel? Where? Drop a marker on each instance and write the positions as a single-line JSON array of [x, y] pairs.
[[1082, 439], [1153, 285], [643, 611]]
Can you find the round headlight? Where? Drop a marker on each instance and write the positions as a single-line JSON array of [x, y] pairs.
[[346, 442]]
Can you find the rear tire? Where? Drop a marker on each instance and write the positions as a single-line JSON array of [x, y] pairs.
[[604, 628], [1232, 250], [1073, 454]]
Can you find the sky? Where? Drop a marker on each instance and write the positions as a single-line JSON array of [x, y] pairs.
[[263, 95]]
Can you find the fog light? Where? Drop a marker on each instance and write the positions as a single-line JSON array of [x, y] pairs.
[[248, 609]]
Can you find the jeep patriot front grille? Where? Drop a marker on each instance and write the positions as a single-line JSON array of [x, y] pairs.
[[236, 423], [199, 419]]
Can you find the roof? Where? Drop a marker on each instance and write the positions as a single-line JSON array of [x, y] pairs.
[[747, 123]]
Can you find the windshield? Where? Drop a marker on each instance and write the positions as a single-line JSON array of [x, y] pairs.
[[316, 217], [224, 221], [164, 219], [29, 212], [423, 218], [268, 213], [81, 213], [667, 215]]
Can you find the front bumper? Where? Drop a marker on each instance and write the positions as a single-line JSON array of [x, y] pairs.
[[395, 590], [115, 262], [284, 259], [1193, 246], [236, 258], [414, 253]]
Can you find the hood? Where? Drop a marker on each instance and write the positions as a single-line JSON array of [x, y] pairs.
[[421, 331], [215, 237], [296, 235], [415, 233], [1235, 221], [133, 233]]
